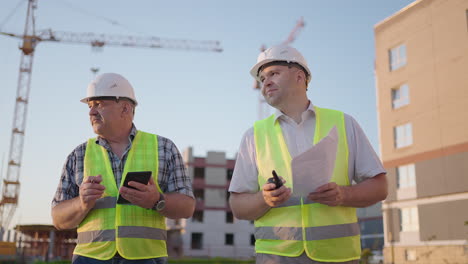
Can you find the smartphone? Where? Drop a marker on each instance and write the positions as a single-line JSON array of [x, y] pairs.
[[276, 180], [138, 176]]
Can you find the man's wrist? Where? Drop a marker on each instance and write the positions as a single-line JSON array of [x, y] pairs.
[[344, 191], [160, 203]]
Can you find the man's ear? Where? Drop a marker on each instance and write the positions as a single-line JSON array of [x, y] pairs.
[[125, 108], [300, 77]]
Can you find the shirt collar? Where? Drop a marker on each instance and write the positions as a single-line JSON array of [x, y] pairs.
[[101, 141], [278, 114]]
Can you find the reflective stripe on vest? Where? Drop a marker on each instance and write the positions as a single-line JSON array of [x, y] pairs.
[[300, 224], [106, 202], [134, 232], [294, 201], [312, 233], [124, 231]]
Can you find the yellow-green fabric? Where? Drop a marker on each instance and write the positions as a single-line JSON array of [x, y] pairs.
[[329, 234], [132, 231]]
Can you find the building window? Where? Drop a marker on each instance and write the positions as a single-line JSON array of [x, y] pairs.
[[229, 239], [199, 173], [197, 240], [229, 174], [199, 194], [400, 96], [403, 135], [406, 176], [252, 239], [197, 217], [409, 219], [397, 57], [229, 217]]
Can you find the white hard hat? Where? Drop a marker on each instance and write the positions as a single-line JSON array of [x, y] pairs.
[[110, 85], [280, 53]]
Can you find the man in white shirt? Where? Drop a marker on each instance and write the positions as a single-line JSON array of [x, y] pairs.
[[319, 228]]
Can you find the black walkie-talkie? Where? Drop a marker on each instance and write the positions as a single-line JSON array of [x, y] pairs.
[[276, 180]]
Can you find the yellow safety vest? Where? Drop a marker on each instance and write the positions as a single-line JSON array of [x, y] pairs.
[[133, 231], [329, 234]]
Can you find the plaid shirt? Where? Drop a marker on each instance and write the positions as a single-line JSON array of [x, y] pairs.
[[171, 178]]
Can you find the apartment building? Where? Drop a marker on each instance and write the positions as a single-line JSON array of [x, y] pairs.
[[421, 72], [213, 231]]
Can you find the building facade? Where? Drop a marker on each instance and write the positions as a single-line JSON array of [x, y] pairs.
[[421, 72], [213, 231], [31, 243]]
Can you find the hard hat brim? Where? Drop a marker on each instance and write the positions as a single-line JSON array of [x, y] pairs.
[[86, 99], [254, 71]]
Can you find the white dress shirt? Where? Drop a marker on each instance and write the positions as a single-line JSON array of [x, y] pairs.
[[363, 161]]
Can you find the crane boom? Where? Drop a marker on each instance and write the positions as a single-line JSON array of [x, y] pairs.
[[100, 40], [11, 184], [294, 32]]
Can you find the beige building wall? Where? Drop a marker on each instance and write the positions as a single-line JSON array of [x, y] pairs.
[[446, 174], [448, 227], [436, 39], [435, 34]]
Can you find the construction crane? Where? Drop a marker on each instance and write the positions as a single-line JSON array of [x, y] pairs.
[[263, 107], [11, 184]]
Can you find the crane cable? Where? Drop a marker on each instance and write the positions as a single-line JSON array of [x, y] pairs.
[[11, 13], [108, 20]]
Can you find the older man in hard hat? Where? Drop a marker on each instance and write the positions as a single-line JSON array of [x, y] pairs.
[[320, 227], [94, 173]]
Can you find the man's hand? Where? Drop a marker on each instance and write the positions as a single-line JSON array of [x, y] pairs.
[[90, 191], [276, 197], [144, 196], [330, 194]]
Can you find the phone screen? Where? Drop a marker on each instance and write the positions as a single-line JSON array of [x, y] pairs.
[[137, 176]]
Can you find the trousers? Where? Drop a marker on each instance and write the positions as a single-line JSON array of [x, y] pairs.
[[302, 259], [117, 260]]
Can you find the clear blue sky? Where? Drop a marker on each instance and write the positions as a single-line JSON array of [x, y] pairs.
[[199, 99]]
